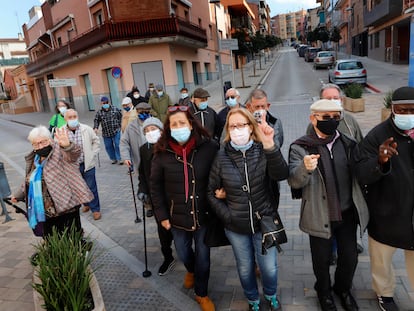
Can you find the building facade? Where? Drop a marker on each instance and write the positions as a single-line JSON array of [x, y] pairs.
[[100, 48]]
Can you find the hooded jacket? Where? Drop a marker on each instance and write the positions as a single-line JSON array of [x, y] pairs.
[[238, 172]]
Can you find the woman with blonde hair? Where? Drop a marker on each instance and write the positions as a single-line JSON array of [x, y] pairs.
[[239, 192]]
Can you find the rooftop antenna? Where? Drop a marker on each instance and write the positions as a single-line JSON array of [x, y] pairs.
[[18, 23]]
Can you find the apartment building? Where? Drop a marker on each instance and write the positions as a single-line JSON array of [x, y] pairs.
[[84, 49], [290, 25]]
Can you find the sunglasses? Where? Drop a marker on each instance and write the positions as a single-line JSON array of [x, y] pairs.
[[178, 108], [232, 97]]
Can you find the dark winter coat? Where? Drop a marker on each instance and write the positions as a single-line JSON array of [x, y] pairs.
[[208, 119], [167, 186], [390, 188], [237, 212], [146, 154]]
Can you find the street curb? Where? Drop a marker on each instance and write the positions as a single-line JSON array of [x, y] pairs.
[[373, 88]]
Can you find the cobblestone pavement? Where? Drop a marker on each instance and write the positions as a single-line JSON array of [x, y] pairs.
[[120, 241]]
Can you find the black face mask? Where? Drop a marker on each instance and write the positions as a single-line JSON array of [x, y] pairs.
[[44, 152], [328, 127]]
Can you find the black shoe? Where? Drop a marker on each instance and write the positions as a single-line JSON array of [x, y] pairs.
[[360, 248], [114, 162], [387, 304], [150, 213], [327, 303], [166, 266], [348, 301]]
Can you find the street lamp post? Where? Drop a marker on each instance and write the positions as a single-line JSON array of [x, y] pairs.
[[218, 51], [350, 11]]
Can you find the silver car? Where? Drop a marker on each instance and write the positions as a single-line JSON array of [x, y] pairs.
[[323, 59], [346, 71]]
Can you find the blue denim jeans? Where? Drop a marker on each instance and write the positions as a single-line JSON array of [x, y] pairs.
[[247, 249], [89, 177], [195, 261], [112, 146]]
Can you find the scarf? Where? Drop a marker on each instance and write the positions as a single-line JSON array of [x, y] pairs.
[[36, 210], [326, 165], [184, 151]]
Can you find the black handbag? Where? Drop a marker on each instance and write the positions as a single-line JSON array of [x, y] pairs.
[[273, 232], [215, 235]]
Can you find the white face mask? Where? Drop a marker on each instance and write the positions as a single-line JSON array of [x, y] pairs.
[[240, 137], [404, 121], [136, 96], [153, 136]]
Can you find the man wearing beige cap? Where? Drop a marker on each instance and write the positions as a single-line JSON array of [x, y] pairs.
[[320, 172]]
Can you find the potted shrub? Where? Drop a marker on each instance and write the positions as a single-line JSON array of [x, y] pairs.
[[386, 110], [353, 100], [63, 278]]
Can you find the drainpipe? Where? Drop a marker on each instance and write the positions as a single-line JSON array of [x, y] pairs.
[[107, 8]]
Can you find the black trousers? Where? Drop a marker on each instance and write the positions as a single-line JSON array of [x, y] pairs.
[[321, 249], [63, 221], [166, 239]]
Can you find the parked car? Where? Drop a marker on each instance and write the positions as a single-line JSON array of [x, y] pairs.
[[323, 59], [346, 71], [301, 50], [310, 53]]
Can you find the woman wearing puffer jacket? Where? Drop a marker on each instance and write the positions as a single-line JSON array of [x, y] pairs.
[[246, 164], [179, 176]]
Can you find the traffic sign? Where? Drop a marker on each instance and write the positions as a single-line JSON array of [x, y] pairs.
[[229, 44], [62, 82]]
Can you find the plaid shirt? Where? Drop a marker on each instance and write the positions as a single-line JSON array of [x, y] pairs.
[[76, 137], [110, 121]]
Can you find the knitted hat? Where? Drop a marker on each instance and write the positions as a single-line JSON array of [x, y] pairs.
[[152, 121], [126, 101], [403, 95], [104, 99], [325, 105], [200, 93]]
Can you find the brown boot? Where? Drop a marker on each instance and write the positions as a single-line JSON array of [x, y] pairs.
[[96, 215], [189, 280], [205, 303], [85, 209]]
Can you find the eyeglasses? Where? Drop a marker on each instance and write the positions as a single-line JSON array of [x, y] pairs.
[[403, 108], [238, 126], [177, 108], [326, 117], [42, 143], [232, 97]]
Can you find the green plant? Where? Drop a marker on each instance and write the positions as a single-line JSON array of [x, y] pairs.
[[354, 90], [63, 267], [388, 99]]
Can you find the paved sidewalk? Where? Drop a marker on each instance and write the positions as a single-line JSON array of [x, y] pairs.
[[120, 240]]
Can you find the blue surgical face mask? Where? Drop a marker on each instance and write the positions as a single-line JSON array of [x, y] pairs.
[[404, 121], [127, 108], [73, 123], [62, 110], [231, 102], [160, 93], [105, 106], [181, 134], [184, 95], [203, 105]]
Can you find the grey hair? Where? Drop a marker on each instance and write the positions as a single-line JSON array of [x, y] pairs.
[[235, 90], [39, 131], [256, 94], [330, 86]]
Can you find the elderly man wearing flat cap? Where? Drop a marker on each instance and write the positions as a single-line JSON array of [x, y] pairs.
[[159, 103], [385, 163], [205, 114], [332, 201]]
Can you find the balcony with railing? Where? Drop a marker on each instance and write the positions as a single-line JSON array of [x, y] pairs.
[[382, 12], [178, 30]]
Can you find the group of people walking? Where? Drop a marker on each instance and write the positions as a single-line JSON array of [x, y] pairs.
[[194, 165]]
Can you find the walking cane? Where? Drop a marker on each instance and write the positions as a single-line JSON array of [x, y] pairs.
[[137, 220], [146, 273]]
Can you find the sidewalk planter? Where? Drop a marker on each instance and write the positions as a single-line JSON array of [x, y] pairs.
[[354, 104], [385, 113], [93, 285], [353, 100], [63, 278], [387, 101]]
